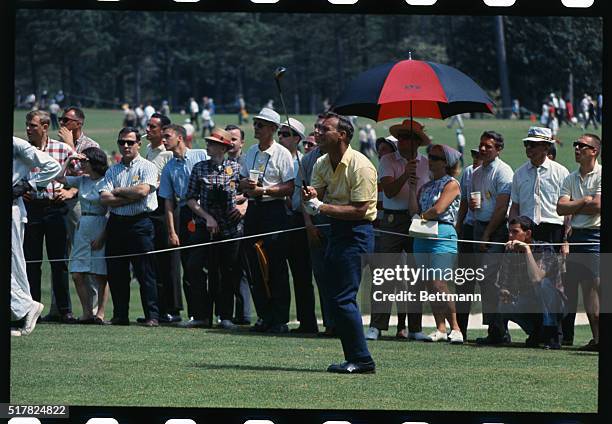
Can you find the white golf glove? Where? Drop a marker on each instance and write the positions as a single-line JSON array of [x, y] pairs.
[[312, 206]]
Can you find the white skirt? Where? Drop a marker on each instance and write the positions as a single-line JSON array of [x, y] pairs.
[[82, 257]]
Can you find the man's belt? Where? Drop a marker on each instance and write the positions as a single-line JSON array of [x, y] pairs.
[[396, 211], [129, 218], [45, 203]]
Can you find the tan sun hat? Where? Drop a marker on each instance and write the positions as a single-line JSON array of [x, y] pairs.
[[408, 126], [220, 136]]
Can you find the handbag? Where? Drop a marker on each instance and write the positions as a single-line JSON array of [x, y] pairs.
[[423, 228]]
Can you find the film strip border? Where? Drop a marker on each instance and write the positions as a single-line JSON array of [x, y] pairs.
[[109, 415]]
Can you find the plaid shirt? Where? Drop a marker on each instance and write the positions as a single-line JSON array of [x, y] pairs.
[[60, 152], [513, 275], [82, 143], [207, 181]]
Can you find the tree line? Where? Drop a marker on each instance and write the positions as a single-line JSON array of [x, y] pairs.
[[104, 58]]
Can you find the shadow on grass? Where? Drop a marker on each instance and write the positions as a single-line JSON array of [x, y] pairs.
[[255, 368]]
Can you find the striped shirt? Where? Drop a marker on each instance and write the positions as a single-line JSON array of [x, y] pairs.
[[139, 171], [60, 152], [175, 175]]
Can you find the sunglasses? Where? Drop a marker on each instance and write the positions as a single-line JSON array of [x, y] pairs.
[[308, 143], [65, 120], [580, 145], [435, 157], [258, 124], [285, 134], [129, 143], [530, 143]]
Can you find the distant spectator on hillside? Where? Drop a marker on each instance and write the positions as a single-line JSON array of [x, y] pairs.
[[54, 109], [149, 110], [165, 109], [194, 110]]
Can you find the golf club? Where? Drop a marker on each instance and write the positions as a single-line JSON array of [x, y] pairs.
[[278, 74]]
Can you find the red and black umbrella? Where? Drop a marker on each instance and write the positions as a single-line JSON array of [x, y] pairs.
[[412, 88]]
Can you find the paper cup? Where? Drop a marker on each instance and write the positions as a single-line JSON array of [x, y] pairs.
[[254, 175], [476, 196]]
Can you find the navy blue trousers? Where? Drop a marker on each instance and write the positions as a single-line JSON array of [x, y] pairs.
[[348, 241], [128, 235]]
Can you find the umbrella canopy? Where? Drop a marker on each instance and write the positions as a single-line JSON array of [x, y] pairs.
[[412, 88]]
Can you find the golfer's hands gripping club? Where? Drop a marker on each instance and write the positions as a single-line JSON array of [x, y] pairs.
[[312, 206], [310, 201]]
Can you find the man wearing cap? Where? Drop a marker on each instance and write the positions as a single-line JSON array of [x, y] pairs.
[[211, 195], [167, 264], [394, 172], [290, 134], [492, 181], [343, 187], [536, 186], [465, 231], [580, 197], [173, 189], [267, 177], [129, 192]]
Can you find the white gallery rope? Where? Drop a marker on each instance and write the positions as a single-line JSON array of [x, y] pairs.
[[209, 243]]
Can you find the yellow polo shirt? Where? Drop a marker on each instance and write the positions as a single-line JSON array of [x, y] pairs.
[[354, 180]]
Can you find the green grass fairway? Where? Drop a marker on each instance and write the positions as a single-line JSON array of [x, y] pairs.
[[137, 366], [172, 367], [103, 125]]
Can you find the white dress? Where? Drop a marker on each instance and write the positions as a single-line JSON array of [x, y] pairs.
[[89, 228]]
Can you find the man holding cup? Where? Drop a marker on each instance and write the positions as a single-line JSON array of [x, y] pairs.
[[267, 177], [489, 199]]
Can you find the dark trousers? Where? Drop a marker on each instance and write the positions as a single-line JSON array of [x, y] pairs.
[[272, 297], [167, 266], [553, 233], [185, 237], [47, 224], [348, 241], [130, 235], [216, 285], [490, 262], [298, 256], [467, 260], [317, 258], [389, 243], [242, 295]]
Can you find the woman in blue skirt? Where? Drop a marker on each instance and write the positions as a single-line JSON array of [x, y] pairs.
[[438, 200]]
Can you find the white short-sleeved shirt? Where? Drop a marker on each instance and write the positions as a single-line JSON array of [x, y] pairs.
[[575, 187], [393, 165], [466, 183], [491, 181], [275, 163], [159, 156], [529, 195]]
